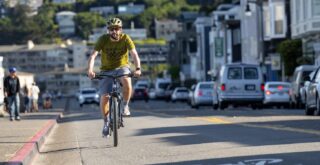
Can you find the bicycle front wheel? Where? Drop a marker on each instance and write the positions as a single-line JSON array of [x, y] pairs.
[[115, 120]]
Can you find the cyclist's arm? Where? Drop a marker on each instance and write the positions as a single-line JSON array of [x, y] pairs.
[[135, 57], [92, 57]]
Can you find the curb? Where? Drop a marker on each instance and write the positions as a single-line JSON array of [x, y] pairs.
[[29, 150]]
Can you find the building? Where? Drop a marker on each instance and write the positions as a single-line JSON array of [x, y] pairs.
[[131, 8], [66, 23], [271, 21], [105, 11], [63, 1], [200, 63], [167, 29], [33, 4], [67, 81], [305, 17], [43, 58], [225, 43], [185, 45], [134, 33]]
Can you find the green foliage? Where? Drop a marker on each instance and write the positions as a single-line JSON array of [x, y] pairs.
[[87, 21], [290, 51], [174, 71], [19, 27]]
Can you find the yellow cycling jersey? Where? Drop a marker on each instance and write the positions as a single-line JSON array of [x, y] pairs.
[[114, 54]]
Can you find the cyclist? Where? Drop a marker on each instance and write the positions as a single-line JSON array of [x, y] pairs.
[[114, 48]]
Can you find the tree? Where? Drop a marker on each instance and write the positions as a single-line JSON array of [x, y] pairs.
[[87, 21], [289, 50]]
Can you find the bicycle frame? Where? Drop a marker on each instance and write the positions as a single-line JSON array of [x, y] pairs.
[[115, 105]]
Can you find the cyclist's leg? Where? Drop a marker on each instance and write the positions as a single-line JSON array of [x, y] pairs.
[[104, 105], [126, 92], [126, 88], [105, 87]]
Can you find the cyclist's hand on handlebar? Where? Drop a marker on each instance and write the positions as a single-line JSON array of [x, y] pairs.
[[137, 73], [91, 74]]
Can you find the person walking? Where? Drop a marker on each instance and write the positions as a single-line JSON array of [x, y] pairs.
[[27, 99], [34, 97], [11, 91]]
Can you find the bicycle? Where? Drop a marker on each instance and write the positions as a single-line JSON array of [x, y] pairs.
[[115, 104]]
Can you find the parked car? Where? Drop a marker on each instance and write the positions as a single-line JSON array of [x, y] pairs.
[[160, 85], [169, 90], [312, 88], [191, 91], [277, 93], [180, 94], [304, 88], [240, 84], [88, 96], [140, 93], [298, 82], [204, 94]]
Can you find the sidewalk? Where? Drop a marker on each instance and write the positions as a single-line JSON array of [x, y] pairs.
[[20, 140]]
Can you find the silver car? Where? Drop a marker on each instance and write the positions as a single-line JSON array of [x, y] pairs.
[[204, 94], [312, 97], [277, 93], [180, 94]]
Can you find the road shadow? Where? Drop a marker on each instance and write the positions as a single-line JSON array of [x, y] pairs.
[[292, 158], [249, 134]]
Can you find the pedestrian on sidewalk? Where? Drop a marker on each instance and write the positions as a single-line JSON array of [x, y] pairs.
[[11, 91], [35, 96], [27, 99]]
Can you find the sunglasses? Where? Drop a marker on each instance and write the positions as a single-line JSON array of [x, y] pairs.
[[115, 28]]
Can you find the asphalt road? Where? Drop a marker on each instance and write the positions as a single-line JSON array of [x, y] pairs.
[[172, 133]]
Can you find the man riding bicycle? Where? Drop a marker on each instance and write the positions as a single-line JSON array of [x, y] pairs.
[[114, 48]]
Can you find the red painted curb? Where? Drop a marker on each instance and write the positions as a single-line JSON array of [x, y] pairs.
[[28, 149]]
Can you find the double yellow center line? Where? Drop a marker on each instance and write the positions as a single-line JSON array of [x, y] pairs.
[[211, 119]]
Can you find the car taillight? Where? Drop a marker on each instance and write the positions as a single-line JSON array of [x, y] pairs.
[[268, 92], [262, 87], [200, 93], [223, 87]]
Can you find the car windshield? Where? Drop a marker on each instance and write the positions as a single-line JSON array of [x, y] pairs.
[[305, 73], [164, 85], [206, 86], [88, 91], [182, 90], [139, 90], [279, 86]]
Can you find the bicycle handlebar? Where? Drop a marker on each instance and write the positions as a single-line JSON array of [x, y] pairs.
[[101, 76]]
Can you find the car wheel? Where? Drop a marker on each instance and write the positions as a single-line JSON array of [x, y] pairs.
[[308, 111], [317, 112], [215, 106], [222, 105]]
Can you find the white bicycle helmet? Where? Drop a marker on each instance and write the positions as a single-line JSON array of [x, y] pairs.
[[114, 22]]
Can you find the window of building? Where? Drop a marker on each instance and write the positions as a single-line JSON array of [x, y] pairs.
[[315, 7], [279, 16]]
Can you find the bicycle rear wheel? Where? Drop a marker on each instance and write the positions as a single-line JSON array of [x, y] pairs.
[[115, 120]]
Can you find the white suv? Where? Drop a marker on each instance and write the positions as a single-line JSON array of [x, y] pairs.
[[88, 96]]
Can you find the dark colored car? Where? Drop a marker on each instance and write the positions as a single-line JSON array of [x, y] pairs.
[[140, 93]]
